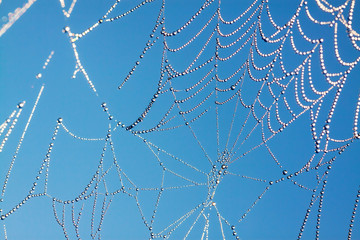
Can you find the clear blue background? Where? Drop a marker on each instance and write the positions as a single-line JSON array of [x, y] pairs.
[[108, 53]]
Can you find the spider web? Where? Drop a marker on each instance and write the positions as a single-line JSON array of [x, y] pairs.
[[230, 124]]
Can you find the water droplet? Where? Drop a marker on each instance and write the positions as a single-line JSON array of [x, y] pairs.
[[21, 105]]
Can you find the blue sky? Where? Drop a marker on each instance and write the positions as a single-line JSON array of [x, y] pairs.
[[137, 183]]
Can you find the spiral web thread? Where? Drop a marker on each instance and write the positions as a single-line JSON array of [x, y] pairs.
[[283, 94]]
